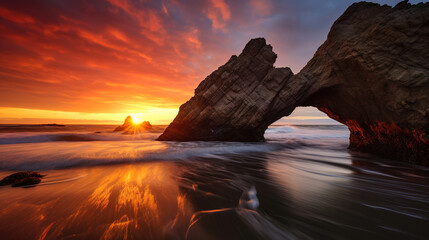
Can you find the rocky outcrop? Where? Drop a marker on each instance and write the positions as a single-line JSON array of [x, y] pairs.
[[372, 74], [130, 127], [234, 103]]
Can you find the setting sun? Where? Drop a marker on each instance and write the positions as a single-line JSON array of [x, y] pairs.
[[137, 118]]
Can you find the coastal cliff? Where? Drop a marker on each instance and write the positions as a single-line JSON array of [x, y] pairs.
[[372, 74]]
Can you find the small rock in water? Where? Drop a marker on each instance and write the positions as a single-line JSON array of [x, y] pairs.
[[22, 179]]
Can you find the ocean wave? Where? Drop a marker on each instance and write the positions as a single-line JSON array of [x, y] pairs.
[[16, 138], [306, 132], [54, 150], [272, 133], [43, 156], [281, 129]]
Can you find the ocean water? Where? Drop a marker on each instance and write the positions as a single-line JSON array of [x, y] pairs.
[[302, 183]]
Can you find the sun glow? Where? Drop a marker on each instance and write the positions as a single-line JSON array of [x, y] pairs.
[[27, 116], [137, 118]]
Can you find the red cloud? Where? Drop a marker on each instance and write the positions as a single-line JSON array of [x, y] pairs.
[[109, 56], [218, 13]]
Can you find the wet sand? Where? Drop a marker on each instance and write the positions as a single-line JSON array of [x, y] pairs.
[[107, 202], [302, 183], [208, 198]]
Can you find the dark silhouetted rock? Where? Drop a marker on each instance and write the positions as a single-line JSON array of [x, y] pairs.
[[127, 123], [26, 181], [22, 179], [130, 127], [372, 74]]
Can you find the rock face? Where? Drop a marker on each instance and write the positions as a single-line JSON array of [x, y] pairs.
[[234, 103], [372, 74], [130, 127]]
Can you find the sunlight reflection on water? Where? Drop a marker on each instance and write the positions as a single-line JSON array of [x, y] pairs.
[[118, 202]]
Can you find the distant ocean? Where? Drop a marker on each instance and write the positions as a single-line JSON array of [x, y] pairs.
[[43, 147], [302, 183]]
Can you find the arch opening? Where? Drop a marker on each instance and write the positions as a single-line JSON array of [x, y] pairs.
[[307, 122]]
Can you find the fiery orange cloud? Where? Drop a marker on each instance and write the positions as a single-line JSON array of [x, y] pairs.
[[218, 13], [103, 59], [69, 65]]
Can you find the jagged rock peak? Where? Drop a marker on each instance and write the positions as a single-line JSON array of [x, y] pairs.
[[128, 120], [403, 4], [232, 102], [255, 46]]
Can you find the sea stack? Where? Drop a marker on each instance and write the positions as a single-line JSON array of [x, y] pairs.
[[127, 123], [232, 103], [130, 127], [371, 74]]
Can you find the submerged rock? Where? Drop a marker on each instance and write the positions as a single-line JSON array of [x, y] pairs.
[[372, 74], [22, 179]]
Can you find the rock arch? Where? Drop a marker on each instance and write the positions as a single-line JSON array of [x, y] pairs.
[[372, 74]]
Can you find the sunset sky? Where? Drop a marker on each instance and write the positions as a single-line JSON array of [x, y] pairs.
[[96, 61]]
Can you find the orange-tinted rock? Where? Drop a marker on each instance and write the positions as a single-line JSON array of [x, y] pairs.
[[127, 123], [146, 125]]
